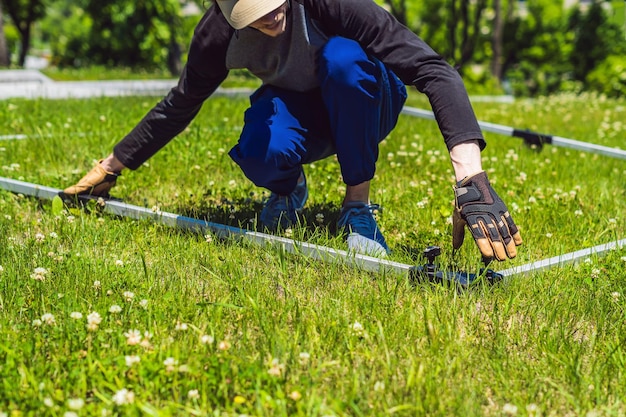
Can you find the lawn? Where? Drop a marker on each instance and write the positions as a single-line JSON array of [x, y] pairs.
[[101, 315]]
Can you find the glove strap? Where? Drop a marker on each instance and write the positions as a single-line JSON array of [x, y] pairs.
[[466, 195]]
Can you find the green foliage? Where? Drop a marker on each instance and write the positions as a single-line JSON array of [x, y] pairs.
[[139, 35], [538, 49], [12, 37], [456, 30], [596, 37], [609, 77], [479, 81], [66, 29], [132, 34]]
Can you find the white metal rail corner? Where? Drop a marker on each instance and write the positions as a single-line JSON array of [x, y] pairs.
[[317, 252]]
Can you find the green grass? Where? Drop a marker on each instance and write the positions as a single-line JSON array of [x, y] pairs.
[[230, 328]]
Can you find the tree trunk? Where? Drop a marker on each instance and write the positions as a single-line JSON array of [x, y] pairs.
[[496, 41], [24, 45], [5, 60]]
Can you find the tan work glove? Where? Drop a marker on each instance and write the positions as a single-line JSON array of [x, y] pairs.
[[97, 182], [478, 206]]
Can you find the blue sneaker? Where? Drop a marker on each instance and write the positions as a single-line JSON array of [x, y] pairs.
[[281, 211], [364, 236]]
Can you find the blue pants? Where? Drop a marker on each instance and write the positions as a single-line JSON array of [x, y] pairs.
[[355, 108]]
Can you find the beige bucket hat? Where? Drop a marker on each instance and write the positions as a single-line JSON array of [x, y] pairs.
[[240, 13]]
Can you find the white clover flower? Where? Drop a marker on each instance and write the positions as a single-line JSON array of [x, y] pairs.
[[193, 394], [48, 319], [181, 327], [53, 235], [40, 237], [533, 410], [319, 217], [115, 309], [208, 238], [304, 357], [224, 345], [357, 328], [128, 295], [75, 403], [615, 295], [70, 219], [131, 360], [379, 386], [93, 321], [76, 315], [133, 337], [97, 285], [143, 303], [509, 409], [123, 397], [295, 395], [37, 323], [119, 263], [276, 368], [48, 402], [39, 274], [170, 364], [145, 343], [205, 339]]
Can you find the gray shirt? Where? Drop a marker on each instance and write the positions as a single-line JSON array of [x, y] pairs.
[[287, 60]]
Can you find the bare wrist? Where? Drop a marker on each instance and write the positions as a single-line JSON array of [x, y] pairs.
[[466, 159], [112, 164]]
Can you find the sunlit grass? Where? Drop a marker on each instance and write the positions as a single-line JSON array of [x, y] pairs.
[[107, 316]]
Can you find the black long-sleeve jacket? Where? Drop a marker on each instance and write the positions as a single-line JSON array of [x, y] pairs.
[[378, 33]]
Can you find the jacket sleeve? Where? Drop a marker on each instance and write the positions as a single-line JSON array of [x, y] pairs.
[[408, 56], [203, 73]]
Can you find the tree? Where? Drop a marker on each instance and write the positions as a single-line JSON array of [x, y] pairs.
[[537, 46], [135, 34], [596, 36], [4, 51], [454, 29], [24, 13]]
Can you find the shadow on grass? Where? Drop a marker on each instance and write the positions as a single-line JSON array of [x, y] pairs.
[[243, 213], [318, 222]]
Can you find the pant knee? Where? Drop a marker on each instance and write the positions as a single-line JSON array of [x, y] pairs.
[[343, 62], [266, 152]]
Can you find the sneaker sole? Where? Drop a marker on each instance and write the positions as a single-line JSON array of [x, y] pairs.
[[365, 246]]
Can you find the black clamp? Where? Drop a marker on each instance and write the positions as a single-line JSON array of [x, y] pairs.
[[430, 272]]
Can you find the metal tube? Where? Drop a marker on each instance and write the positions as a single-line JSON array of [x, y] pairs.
[[318, 252], [531, 137]]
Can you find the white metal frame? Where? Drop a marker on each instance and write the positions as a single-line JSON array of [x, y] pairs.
[[532, 137], [318, 252]]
